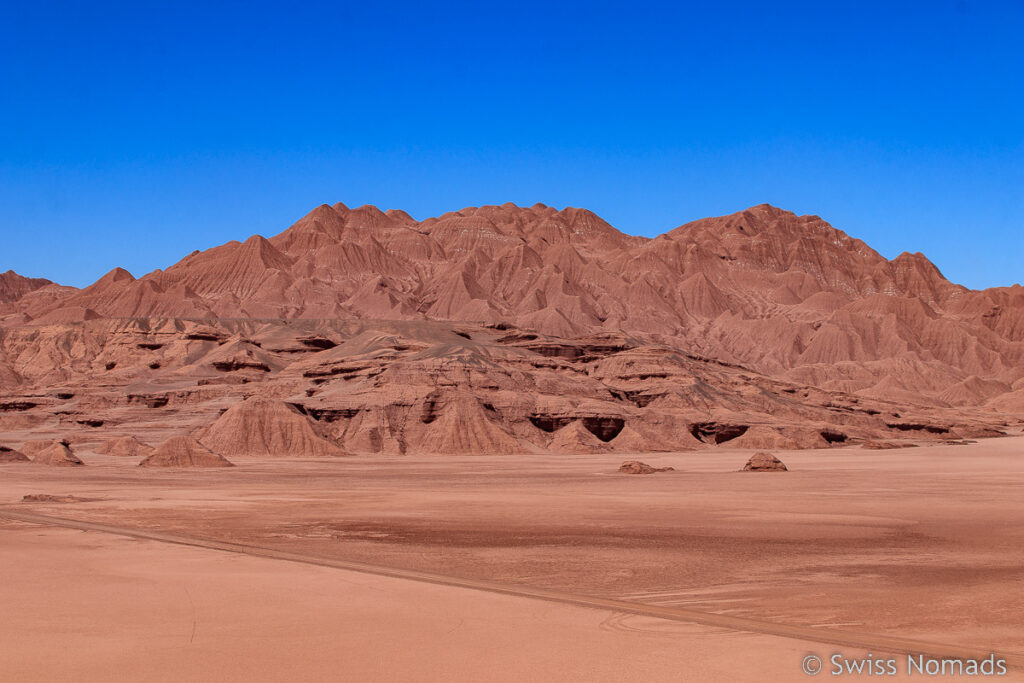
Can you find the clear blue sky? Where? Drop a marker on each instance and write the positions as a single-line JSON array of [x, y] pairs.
[[133, 133]]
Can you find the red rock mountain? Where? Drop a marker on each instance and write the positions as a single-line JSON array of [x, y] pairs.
[[14, 286], [760, 313]]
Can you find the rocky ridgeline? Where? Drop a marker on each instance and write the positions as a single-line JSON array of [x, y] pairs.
[[505, 329]]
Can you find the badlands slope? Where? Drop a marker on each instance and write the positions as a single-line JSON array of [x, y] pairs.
[[504, 329]]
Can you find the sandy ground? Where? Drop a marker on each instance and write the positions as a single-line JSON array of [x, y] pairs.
[[94, 607], [924, 543]]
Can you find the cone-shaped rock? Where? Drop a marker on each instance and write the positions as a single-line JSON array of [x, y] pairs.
[[764, 462], [184, 451], [464, 427], [261, 426], [575, 438], [57, 454], [12, 455], [125, 446], [36, 446], [630, 440]]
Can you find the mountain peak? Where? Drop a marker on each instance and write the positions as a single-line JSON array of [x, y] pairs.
[[561, 272], [117, 274], [14, 286]]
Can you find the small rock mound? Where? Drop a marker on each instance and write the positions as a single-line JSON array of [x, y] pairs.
[[637, 467], [764, 462], [50, 498], [886, 445], [184, 451], [125, 446], [57, 454], [11, 455]]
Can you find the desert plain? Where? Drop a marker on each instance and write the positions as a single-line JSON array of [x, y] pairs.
[[859, 550]]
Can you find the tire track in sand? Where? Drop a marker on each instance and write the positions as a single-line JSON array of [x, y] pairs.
[[864, 641]]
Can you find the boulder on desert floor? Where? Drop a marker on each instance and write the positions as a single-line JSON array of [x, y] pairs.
[[637, 467], [125, 446], [56, 454], [184, 451], [872, 445], [764, 462], [260, 426], [50, 498], [12, 455]]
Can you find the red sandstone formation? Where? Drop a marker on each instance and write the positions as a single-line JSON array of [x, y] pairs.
[[764, 462], [50, 498], [8, 455], [125, 446], [262, 426], [637, 467], [14, 286], [504, 329], [885, 445], [53, 453], [184, 451]]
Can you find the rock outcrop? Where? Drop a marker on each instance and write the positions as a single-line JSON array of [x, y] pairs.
[[125, 446], [818, 301], [637, 467], [764, 462], [761, 436], [14, 286], [575, 438], [51, 498], [506, 329], [55, 454], [265, 427], [184, 451], [8, 455], [872, 445]]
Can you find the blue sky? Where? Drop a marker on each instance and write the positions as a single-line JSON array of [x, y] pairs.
[[133, 133]]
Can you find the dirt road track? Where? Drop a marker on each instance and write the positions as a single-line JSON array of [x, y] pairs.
[[874, 643]]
